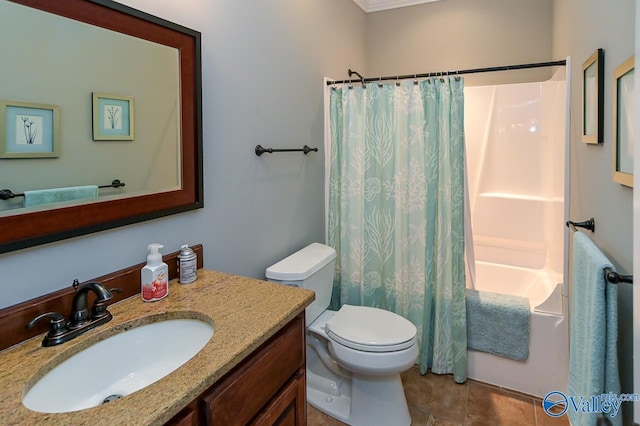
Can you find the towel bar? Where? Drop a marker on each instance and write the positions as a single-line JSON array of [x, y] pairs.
[[261, 150], [587, 224], [7, 194], [615, 278], [609, 275]]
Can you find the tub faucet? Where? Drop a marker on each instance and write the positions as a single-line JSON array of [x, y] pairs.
[[80, 320]]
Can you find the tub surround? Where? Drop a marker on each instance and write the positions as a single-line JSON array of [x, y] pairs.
[[518, 212], [245, 312]]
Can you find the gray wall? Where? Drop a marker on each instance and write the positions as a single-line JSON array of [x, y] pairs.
[[462, 34], [580, 27], [263, 66]]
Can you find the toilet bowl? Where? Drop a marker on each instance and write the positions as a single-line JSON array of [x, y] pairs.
[[354, 355]]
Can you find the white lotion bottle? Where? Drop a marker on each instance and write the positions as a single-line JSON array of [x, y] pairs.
[[155, 276]]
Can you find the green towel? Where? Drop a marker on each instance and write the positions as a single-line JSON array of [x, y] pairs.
[[56, 195], [498, 324], [593, 356]]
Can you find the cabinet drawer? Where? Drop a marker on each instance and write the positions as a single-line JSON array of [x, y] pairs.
[[288, 408], [240, 395]]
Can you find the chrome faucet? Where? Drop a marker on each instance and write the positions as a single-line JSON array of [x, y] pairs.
[[80, 320]]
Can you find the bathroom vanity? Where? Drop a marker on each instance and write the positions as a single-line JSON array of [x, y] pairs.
[[272, 377], [252, 371]]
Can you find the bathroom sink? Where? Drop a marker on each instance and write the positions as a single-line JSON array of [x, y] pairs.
[[118, 366]]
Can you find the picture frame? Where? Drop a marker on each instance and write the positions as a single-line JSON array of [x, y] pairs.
[[593, 98], [113, 117], [623, 116], [29, 130]]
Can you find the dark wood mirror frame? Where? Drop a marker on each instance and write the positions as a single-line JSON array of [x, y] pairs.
[[30, 229]]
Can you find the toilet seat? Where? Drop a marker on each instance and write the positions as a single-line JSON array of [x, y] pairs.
[[370, 329]]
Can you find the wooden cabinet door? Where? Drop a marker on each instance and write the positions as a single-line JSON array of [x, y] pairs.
[[241, 395], [186, 417], [288, 408]]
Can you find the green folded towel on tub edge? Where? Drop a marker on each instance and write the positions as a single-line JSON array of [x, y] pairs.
[[498, 324]]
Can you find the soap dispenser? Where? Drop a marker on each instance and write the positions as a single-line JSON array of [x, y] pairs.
[[155, 276]]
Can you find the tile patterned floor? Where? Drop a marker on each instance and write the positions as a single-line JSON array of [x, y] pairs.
[[436, 400]]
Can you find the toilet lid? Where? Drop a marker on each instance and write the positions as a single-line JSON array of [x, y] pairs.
[[371, 329]]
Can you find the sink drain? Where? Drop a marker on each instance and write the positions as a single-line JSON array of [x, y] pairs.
[[111, 398]]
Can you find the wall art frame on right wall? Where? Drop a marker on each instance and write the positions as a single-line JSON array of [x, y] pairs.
[[593, 98], [623, 116]]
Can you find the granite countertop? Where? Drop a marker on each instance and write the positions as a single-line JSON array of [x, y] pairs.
[[245, 312]]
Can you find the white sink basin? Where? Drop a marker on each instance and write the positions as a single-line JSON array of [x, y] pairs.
[[118, 366]]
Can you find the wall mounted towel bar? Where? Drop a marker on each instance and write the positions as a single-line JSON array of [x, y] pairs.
[[306, 149], [7, 194], [609, 275], [587, 224], [615, 278]]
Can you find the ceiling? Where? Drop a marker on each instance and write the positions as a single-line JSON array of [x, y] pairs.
[[376, 5]]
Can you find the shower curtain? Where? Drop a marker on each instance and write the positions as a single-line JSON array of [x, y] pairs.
[[396, 209]]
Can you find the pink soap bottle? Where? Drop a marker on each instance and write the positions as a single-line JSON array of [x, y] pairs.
[[155, 276]]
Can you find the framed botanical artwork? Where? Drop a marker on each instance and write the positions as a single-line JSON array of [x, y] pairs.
[[623, 116], [593, 98], [112, 117], [29, 130]]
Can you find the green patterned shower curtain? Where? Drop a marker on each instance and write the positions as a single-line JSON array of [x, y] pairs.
[[396, 212]]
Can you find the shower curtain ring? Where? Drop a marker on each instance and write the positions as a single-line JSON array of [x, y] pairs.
[[380, 82], [397, 81]]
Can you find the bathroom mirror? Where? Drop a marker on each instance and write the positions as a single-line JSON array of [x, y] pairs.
[[154, 62]]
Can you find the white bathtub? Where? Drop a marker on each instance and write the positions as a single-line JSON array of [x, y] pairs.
[[516, 145], [543, 288], [547, 366]]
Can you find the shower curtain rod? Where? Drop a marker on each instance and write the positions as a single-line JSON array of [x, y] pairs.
[[445, 73]]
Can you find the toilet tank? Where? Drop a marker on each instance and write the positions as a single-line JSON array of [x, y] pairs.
[[312, 268]]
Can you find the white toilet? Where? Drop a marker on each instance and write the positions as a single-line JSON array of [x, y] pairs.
[[355, 355]]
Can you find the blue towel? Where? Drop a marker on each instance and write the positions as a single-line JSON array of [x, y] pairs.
[[498, 324], [593, 357], [56, 195]]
